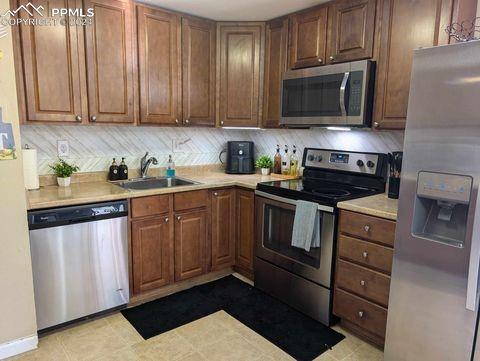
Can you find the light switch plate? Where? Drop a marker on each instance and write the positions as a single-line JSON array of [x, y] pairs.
[[63, 148]]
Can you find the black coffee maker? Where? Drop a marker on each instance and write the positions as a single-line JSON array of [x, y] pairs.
[[240, 157]]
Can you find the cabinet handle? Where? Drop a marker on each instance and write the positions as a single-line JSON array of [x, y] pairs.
[[360, 314], [78, 118], [179, 217], [93, 118], [365, 254], [366, 228], [332, 58], [362, 283], [166, 219], [376, 124]]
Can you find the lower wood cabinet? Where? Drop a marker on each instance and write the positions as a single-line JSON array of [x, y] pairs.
[[190, 244], [152, 253], [223, 228], [245, 231]]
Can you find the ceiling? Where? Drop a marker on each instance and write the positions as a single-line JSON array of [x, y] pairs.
[[236, 10]]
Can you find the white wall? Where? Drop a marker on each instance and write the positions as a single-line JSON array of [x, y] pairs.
[[17, 310]]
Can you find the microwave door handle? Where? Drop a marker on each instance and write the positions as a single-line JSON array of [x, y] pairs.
[[343, 87], [474, 262]]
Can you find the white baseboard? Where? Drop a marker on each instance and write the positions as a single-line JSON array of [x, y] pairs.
[[19, 346]]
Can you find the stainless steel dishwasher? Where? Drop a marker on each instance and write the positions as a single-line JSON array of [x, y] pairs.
[[79, 260]]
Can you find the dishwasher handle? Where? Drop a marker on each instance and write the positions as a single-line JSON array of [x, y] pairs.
[[56, 217]]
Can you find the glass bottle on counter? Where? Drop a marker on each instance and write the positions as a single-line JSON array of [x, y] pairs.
[[277, 162], [286, 162], [294, 162]]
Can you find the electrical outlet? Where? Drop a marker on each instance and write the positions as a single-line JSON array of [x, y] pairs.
[[63, 148]]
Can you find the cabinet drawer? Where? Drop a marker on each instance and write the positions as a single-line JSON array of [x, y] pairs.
[[365, 253], [376, 229], [189, 200], [370, 284], [360, 312], [150, 206]]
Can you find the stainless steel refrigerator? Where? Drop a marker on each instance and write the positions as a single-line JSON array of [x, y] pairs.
[[433, 304]]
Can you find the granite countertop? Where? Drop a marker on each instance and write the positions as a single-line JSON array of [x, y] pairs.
[[378, 205], [103, 191]]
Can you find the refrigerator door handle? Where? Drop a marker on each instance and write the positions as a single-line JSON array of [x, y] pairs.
[[474, 262]]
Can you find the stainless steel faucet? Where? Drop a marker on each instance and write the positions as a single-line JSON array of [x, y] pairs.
[[145, 164]]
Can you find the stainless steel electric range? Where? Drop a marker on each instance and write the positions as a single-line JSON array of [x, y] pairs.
[[300, 278]]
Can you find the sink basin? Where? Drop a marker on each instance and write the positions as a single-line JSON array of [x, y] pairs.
[[154, 182]]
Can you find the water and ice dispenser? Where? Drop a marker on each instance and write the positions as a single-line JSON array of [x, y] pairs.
[[441, 207]]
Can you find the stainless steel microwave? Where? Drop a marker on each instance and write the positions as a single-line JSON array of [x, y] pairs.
[[336, 95]]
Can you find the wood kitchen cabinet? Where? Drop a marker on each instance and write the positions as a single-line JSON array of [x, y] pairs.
[[53, 69], [408, 25], [245, 231], [351, 30], [198, 71], [276, 48], [239, 73], [110, 62], [223, 228], [159, 69], [308, 37], [190, 244]]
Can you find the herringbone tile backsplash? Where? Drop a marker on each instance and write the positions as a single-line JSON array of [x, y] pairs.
[[93, 147]]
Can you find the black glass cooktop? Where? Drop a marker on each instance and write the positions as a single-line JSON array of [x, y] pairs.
[[317, 190]]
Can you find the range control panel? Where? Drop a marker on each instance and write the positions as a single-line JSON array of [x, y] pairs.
[[365, 163]]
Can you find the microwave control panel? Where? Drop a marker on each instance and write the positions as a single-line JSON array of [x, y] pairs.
[[355, 94]]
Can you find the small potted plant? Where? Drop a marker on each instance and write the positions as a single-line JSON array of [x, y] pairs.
[[63, 171], [264, 163]]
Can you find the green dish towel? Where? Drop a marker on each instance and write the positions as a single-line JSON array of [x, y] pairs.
[[306, 226]]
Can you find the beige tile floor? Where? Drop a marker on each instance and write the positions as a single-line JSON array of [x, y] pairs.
[[215, 337]]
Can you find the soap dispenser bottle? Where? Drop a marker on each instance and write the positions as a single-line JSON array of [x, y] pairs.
[[286, 162], [113, 174], [170, 167], [277, 162], [123, 170]]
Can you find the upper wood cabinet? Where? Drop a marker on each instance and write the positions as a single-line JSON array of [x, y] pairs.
[[159, 69], [240, 73], [53, 69], [276, 47], [110, 61], [352, 28], [308, 38], [406, 25], [198, 71], [223, 228]]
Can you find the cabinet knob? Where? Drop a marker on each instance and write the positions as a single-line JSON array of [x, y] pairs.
[[366, 228], [187, 121], [78, 118], [376, 124], [166, 219], [215, 194], [362, 283], [332, 58], [360, 314], [176, 121], [179, 217], [365, 254], [221, 122], [93, 118], [320, 60]]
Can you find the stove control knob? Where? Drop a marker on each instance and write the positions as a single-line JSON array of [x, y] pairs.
[[319, 158], [311, 157], [360, 163], [370, 164]]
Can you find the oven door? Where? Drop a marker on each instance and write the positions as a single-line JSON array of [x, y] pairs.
[[274, 238]]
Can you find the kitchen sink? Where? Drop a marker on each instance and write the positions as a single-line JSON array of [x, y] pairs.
[[154, 182]]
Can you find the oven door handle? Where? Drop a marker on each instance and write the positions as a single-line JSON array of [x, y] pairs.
[[290, 201], [343, 87]]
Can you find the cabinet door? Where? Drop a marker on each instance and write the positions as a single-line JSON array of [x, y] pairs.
[[152, 251], [198, 64], [352, 27], [158, 49], [276, 44], [245, 229], [308, 38], [54, 68], [409, 24], [190, 244], [240, 56], [110, 62], [223, 228]]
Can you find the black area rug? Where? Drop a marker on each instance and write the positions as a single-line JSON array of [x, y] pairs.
[[298, 335]]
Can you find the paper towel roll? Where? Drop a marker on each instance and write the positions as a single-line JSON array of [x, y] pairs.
[[30, 168]]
